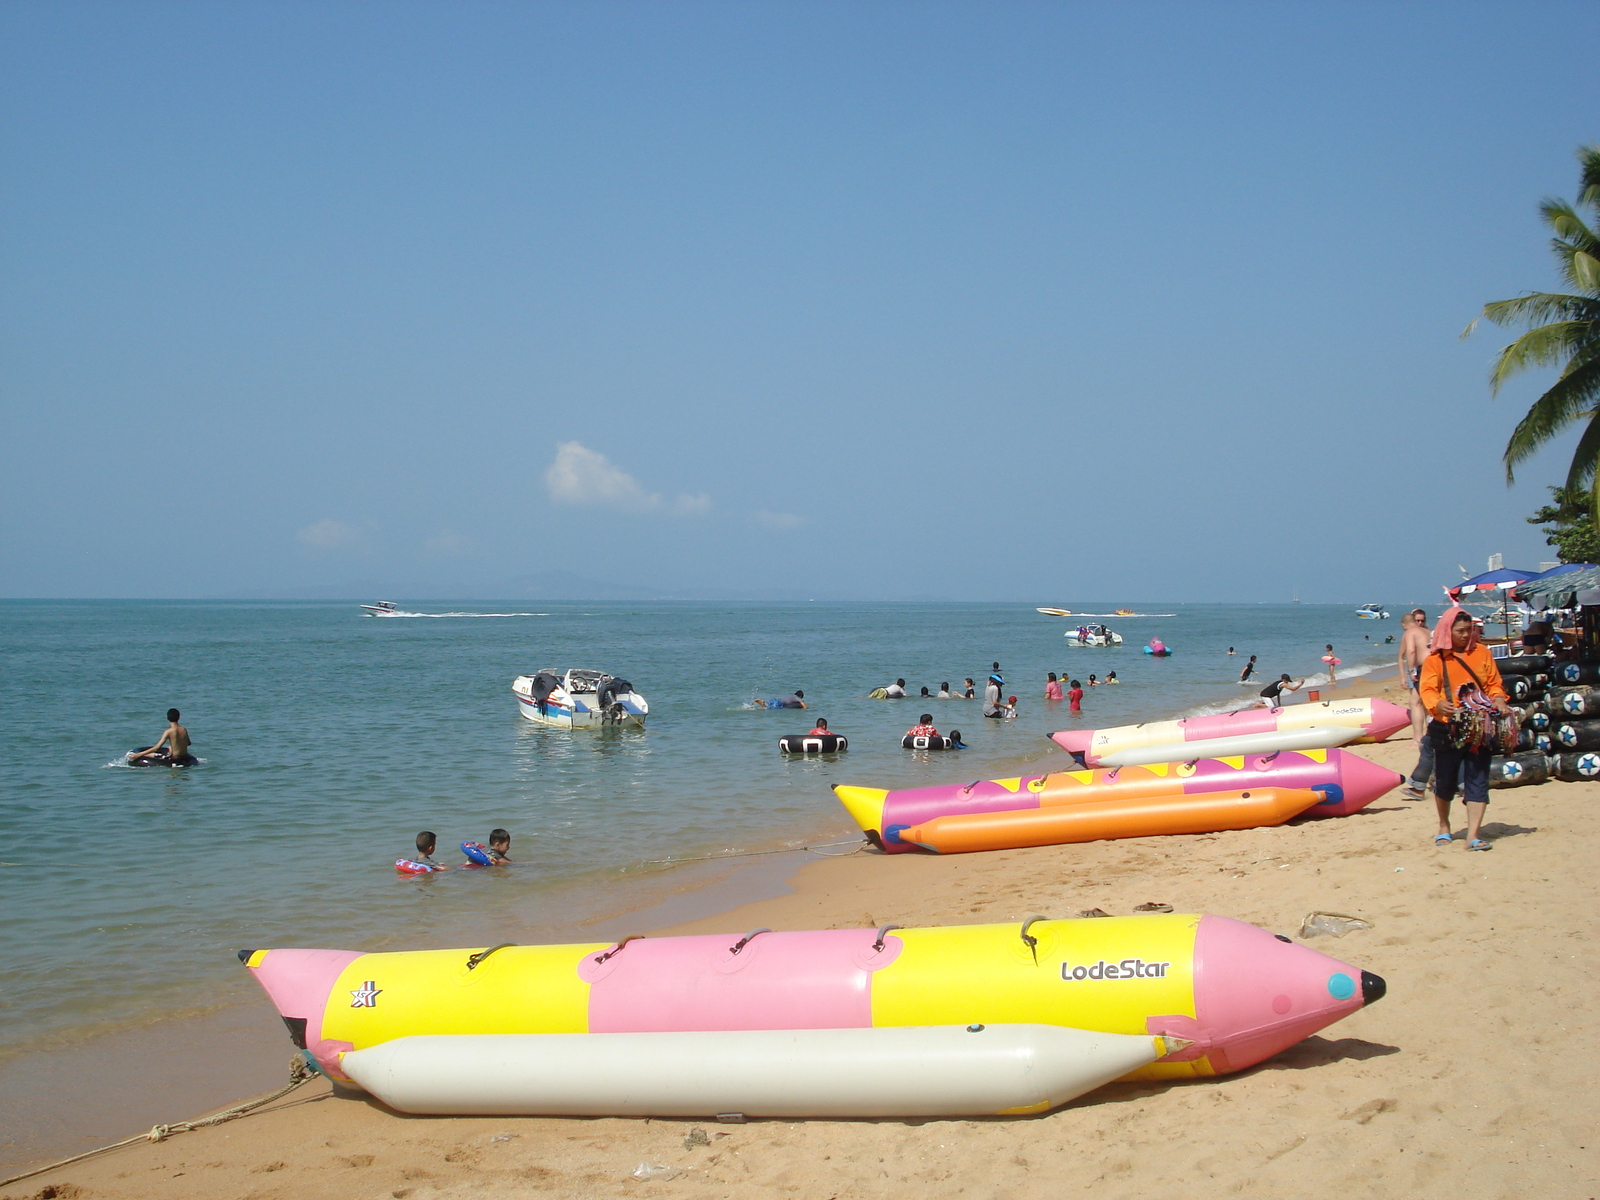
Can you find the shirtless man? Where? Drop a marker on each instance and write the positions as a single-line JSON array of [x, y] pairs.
[[173, 743], [1414, 640]]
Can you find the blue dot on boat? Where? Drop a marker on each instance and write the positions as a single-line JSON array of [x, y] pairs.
[[1341, 986]]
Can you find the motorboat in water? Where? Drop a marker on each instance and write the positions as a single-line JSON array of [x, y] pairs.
[[382, 608], [1372, 612], [578, 699], [1093, 635]]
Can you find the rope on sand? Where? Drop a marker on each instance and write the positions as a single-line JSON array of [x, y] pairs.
[[299, 1072], [815, 848]]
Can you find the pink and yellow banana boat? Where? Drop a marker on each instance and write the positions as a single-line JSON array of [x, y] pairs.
[[1375, 717], [1344, 781], [1235, 994]]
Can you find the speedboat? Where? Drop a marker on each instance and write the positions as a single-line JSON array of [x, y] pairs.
[[1093, 635], [1372, 612], [383, 608], [578, 699]]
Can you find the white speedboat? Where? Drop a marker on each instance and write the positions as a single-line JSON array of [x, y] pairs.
[[383, 608], [1372, 612], [1093, 635], [578, 699]]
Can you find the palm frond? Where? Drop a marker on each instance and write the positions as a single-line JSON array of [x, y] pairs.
[[1539, 307], [1568, 225], [1566, 401], [1589, 182], [1580, 475], [1549, 345]]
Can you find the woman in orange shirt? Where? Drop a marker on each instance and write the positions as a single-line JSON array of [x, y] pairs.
[[1459, 673]]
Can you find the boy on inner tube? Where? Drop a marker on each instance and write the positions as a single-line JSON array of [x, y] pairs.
[[171, 748]]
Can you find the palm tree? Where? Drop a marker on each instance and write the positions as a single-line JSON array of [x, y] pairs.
[[1563, 330]]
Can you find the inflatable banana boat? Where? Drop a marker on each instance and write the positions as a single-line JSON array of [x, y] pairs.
[[1318, 737], [1237, 994], [917, 1071], [1345, 783], [1204, 812], [1376, 719]]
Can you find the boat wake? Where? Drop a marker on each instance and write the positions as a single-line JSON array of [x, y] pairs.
[[1123, 616], [437, 616]]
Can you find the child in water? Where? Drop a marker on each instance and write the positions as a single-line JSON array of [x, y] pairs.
[[499, 846], [427, 842], [1111, 677], [1076, 696], [1052, 687]]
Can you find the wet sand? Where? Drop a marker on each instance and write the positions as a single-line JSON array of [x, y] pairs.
[[1470, 1078]]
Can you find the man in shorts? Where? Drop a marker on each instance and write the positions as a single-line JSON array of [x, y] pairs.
[[1413, 653]]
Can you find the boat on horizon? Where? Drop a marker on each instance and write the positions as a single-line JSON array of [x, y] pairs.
[[381, 608]]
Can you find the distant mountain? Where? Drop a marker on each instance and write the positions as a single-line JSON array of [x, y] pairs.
[[546, 585]]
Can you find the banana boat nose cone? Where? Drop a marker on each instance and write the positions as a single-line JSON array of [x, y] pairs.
[[1074, 741], [865, 805], [1364, 780], [1387, 718], [1373, 988]]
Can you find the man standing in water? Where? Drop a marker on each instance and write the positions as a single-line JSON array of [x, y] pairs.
[[173, 744], [1413, 653]]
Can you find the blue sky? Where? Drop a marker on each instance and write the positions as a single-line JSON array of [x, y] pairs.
[[869, 300]]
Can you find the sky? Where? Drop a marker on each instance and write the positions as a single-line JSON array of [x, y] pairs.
[[973, 301]]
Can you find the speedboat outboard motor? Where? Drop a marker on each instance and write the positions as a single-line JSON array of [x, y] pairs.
[[541, 687], [608, 698]]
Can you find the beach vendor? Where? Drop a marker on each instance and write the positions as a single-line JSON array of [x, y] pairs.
[[1414, 652], [1461, 689]]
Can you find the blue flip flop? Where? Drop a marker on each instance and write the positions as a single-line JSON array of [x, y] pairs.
[[1479, 844], [1442, 839]]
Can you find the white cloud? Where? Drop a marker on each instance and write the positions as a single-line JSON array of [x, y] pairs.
[[581, 476], [777, 520], [330, 535], [692, 506]]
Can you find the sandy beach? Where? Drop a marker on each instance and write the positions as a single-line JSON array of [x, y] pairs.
[[1469, 1078]]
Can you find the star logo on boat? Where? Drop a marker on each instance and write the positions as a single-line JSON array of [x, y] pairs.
[[366, 996], [1589, 764]]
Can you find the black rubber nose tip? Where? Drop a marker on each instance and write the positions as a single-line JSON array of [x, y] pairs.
[[244, 957], [1373, 987]]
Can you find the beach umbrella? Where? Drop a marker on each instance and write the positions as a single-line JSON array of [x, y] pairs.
[[1501, 579], [1561, 586]]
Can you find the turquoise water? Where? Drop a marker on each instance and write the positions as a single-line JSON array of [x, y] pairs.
[[329, 739]]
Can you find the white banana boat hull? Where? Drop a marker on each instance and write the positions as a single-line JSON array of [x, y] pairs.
[[1318, 737], [907, 1071]]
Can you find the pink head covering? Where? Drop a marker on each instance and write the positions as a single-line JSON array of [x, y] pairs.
[[1441, 632]]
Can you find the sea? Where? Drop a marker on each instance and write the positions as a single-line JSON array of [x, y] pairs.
[[327, 739]]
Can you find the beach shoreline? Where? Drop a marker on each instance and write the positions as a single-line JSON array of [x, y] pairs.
[[1468, 1078], [204, 1062]]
